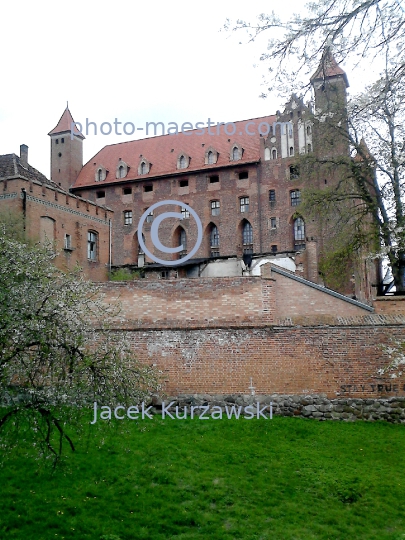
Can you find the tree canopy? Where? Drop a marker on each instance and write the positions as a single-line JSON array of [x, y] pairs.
[[369, 33], [57, 353]]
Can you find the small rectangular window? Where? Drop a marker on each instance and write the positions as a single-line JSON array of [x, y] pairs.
[[128, 217], [127, 191], [149, 217], [183, 183], [91, 246], [272, 195], [244, 204], [273, 223], [62, 140], [147, 188], [215, 208], [274, 249], [68, 241], [164, 274], [214, 179], [185, 213], [295, 197], [100, 194], [243, 175], [294, 172], [57, 141]]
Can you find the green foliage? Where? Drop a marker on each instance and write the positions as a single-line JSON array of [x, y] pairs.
[[56, 351], [124, 274], [280, 479]]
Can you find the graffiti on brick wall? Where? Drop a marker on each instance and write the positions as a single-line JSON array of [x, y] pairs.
[[378, 388]]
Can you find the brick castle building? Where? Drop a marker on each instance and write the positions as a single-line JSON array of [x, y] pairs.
[[241, 178]]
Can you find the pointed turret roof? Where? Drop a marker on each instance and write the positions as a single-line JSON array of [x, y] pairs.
[[328, 67], [65, 124]]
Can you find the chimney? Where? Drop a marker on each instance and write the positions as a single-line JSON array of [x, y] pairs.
[[24, 154]]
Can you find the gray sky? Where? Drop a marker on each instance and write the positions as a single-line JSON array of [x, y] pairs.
[[131, 60]]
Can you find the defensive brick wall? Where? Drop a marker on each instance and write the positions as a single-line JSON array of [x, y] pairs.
[[213, 336]]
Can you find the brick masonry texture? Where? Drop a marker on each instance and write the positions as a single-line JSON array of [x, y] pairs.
[[212, 335], [66, 214], [338, 361], [235, 301]]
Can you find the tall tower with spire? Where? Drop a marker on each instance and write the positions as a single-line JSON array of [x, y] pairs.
[[329, 83], [66, 151]]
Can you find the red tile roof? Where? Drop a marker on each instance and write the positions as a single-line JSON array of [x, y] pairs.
[[64, 125], [163, 151], [328, 67]]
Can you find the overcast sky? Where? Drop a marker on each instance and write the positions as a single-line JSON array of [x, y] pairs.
[[131, 60]]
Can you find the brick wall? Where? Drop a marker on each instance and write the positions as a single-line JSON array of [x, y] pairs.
[[337, 361], [211, 335], [390, 304], [66, 214], [190, 303], [234, 301]]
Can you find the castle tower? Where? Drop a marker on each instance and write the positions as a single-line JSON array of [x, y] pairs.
[[330, 83], [66, 151]]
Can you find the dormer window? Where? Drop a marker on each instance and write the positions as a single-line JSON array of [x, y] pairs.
[[211, 156], [235, 154], [101, 174], [183, 161], [144, 167], [122, 169]]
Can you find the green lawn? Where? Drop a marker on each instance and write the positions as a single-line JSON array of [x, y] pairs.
[[279, 479]]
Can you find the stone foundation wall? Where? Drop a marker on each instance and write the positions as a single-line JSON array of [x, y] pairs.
[[316, 406]]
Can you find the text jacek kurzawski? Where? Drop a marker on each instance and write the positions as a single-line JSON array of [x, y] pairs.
[[202, 412]]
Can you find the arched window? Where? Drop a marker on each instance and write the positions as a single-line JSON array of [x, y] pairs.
[[299, 233], [182, 162], [235, 153], [309, 148], [291, 150], [266, 154], [143, 168], [183, 239], [99, 175], [211, 158], [247, 234], [274, 154], [214, 236], [308, 130], [121, 172]]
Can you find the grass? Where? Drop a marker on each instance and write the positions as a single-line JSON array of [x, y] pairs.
[[280, 479]]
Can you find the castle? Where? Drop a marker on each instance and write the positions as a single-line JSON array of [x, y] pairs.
[[241, 178], [257, 315]]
